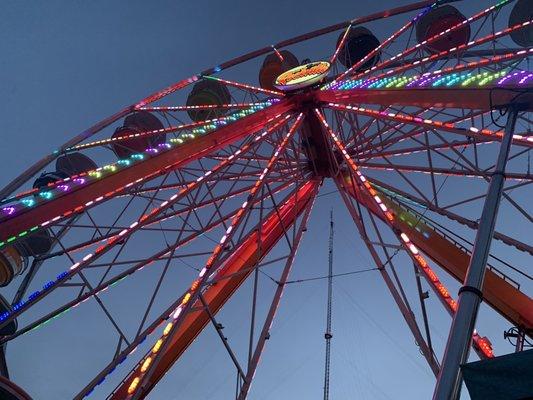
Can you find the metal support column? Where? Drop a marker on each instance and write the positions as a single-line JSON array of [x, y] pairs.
[[449, 381]]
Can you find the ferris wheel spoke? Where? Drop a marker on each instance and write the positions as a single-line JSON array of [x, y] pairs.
[[138, 265], [242, 259], [136, 226], [499, 290], [451, 127], [376, 50], [238, 221], [365, 196], [441, 171], [410, 64], [202, 107], [235, 272], [511, 304], [480, 344], [394, 137], [404, 309], [120, 180]]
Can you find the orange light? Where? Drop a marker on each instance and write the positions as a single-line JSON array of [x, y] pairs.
[[133, 385], [443, 290], [432, 275], [146, 364], [194, 285], [186, 298], [453, 304], [167, 329], [157, 346], [421, 261]]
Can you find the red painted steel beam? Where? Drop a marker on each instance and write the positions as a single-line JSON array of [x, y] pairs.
[[510, 302], [483, 98], [160, 163], [237, 268]]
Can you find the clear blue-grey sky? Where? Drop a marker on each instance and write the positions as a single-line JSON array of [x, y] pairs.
[[67, 64]]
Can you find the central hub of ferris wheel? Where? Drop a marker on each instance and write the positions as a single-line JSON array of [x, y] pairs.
[[303, 76], [314, 138]]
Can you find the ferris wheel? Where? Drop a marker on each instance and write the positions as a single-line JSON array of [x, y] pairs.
[[425, 133]]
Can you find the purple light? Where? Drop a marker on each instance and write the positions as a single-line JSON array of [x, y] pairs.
[[524, 79], [64, 188], [151, 150], [8, 210], [425, 82], [510, 76], [79, 181]]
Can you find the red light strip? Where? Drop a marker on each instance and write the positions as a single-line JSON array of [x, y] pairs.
[[179, 313], [143, 134], [246, 87], [429, 274], [202, 107], [280, 56], [429, 123], [341, 44], [431, 40], [166, 91]]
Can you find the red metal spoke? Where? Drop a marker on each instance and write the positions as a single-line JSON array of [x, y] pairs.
[[443, 54], [77, 201], [442, 171], [144, 220], [247, 87], [375, 51], [502, 296], [244, 257], [377, 184], [482, 134], [185, 307], [202, 107], [379, 208]]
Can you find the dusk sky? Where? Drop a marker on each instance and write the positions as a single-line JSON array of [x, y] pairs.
[[68, 64]]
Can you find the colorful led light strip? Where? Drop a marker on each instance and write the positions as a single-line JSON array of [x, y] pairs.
[[501, 78], [429, 123], [431, 40], [412, 250], [457, 68], [180, 312], [212, 123], [58, 187], [134, 226]]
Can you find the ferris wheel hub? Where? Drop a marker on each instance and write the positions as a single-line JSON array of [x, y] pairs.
[[303, 76]]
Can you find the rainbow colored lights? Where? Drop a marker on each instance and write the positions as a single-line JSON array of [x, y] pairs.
[[62, 186], [428, 80]]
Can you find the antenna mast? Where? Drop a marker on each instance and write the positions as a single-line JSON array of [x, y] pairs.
[[328, 334]]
